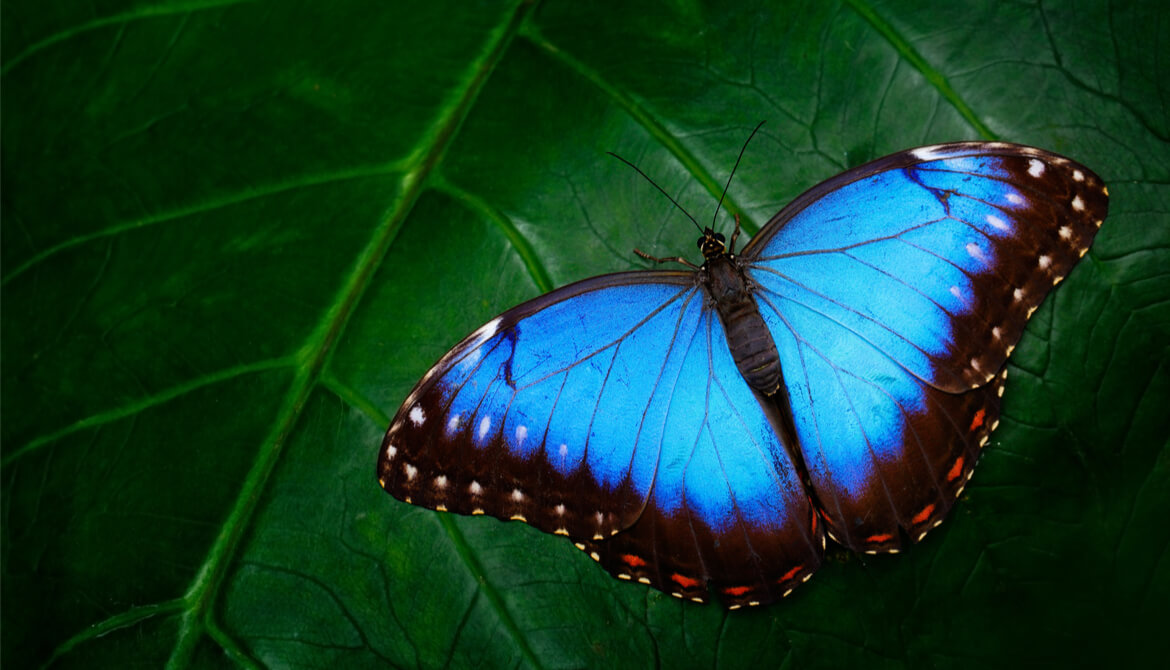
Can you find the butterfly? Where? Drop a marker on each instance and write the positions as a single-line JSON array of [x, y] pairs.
[[703, 431]]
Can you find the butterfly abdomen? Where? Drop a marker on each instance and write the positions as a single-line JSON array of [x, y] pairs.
[[748, 337]]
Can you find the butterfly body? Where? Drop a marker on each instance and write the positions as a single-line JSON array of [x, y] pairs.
[[730, 293], [704, 432]]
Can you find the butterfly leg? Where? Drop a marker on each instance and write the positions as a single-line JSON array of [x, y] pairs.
[[671, 259]]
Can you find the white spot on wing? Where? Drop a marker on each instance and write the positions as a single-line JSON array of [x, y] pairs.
[[1045, 262], [956, 292], [1078, 175], [560, 509], [486, 331], [1065, 232], [417, 416], [1018, 294], [474, 488], [517, 495], [931, 153], [1015, 198], [485, 425], [975, 252], [998, 222], [453, 423], [1078, 204], [1036, 167], [441, 482], [410, 470], [996, 332], [521, 434], [391, 452]]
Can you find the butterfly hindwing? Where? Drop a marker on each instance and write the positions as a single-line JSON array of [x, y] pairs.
[[895, 292], [611, 411], [500, 424], [729, 512]]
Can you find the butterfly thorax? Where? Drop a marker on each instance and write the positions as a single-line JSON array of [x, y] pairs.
[[730, 293]]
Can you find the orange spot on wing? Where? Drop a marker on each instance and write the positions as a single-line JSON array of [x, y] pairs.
[[790, 574], [923, 515], [875, 539], [632, 560], [684, 581], [737, 590], [977, 420], [956, 470]]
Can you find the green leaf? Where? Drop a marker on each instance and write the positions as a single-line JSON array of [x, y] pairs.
[[236, 233]]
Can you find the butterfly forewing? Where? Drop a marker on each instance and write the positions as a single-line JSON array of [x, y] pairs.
[[936, 255]]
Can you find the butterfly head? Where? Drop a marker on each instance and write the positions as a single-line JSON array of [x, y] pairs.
[[712, 244]]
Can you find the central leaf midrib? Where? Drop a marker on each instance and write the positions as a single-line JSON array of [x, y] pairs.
[[317, 349]]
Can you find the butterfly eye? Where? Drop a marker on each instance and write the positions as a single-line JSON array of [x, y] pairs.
[[702, 242]]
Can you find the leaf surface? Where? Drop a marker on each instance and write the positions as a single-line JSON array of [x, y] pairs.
[[236, 233]]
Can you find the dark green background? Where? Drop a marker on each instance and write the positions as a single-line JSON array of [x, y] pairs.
[[236, 233]]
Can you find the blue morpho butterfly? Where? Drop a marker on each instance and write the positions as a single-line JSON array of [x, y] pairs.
[[703, 431]]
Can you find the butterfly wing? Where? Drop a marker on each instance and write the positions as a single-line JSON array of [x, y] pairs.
[[610, 411], [895, 292]]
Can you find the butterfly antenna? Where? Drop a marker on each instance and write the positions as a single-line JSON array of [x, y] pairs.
[[660, 190], [733, 169]]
